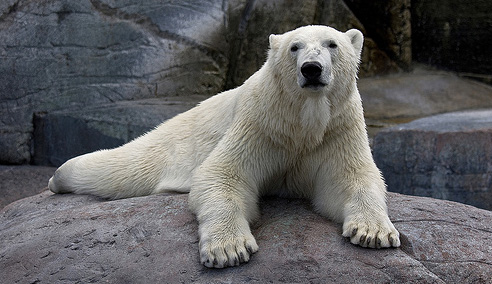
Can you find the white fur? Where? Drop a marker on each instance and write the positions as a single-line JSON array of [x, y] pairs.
[[268, 136]]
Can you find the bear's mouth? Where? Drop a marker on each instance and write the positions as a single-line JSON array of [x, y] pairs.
[[313, 84]]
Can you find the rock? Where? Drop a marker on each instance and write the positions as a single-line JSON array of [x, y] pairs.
[[22, 181], [71, 238], [250, 41], [393, 99], [389, 24], [421, 93], [447, 156], [92, 52], [255, 22], [62, 135], [337, 14], [374, 59], [388, 100]]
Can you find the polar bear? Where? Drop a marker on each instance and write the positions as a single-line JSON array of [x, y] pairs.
[[294, 128]]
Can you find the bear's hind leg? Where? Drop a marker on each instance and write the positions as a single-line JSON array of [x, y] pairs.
[[111, 174]]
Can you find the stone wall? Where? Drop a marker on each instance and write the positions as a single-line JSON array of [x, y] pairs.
[[73, 54]]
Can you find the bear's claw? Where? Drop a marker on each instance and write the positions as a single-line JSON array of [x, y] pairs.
[[224, 253], [379, 234]]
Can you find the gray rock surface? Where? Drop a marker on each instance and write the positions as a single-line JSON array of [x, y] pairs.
[[261, 18], [421, 93], [17, 182], [394, 99], [389, 23], [73, 54], [79, 239], [447, 156]]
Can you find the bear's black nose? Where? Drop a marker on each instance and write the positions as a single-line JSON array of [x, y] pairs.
[[311, 70]]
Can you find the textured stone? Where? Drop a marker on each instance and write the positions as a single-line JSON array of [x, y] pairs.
[[59, 54], [72, 239], [374, 60], [62, 135], [256, 21], [421, 93], [388, 100], [18, 182], [447, 156]]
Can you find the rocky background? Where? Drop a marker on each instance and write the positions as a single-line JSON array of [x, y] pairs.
[[70, 56], [62, 58]]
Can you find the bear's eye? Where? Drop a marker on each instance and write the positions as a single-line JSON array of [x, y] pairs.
[[294, 48], [332, 45]]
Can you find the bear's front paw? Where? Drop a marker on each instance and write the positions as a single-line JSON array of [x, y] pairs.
[[371, 233], [223, 252]]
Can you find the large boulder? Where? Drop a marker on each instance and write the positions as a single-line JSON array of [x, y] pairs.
[[447, 156], [51, 238]]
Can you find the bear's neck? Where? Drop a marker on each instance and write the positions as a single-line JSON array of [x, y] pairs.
[[290, 118]]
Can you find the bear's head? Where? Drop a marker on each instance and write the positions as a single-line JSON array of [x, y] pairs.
[[316, 59]]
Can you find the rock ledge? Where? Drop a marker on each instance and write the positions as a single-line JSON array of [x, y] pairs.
[[446, 156]]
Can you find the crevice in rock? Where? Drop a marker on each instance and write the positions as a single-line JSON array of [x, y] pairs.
[[407, 248], [319, 10], [10, 10], [455, 261], [237, 43], [147, 24]]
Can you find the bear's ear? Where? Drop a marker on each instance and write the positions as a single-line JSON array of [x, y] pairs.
[[274, 41], [356, 38]]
